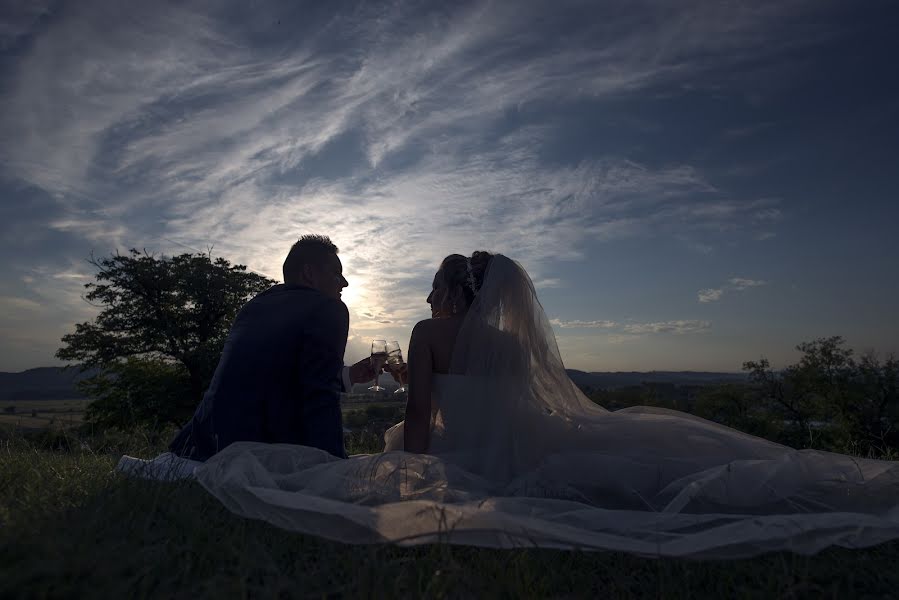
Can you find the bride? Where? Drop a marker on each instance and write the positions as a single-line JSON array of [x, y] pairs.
[[499, 448]]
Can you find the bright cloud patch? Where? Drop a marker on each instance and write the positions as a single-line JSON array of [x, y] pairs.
[[710, 294], [583, 324], [735, 284]]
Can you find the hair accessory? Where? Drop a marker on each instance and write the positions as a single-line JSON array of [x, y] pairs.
[[472, 284]]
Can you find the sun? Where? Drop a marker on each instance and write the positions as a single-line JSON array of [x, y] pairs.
[[353, 292]]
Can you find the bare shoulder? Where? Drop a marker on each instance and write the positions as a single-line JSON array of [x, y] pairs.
[[437, 337], [435, 330], [424, 330]]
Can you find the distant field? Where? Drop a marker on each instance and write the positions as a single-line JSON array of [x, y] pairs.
[[351, 404], [37, 414], [41, 414]]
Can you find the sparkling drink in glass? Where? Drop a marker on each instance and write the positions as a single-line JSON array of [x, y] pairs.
[[378, 359], [395, 364]]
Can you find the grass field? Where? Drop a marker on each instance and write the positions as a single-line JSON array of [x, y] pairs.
[[71, 527], [34, 414]]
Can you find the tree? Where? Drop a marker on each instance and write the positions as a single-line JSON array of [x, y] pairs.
[[166, 310], [138, 392], [853, 404], [777, 394], [823, 375]]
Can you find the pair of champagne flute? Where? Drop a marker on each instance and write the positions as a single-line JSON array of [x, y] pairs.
[[383, 352]]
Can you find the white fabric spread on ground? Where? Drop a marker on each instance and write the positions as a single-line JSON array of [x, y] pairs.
[[165, 467], [519, 457]]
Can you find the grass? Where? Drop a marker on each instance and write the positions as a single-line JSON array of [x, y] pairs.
[[71, 527]]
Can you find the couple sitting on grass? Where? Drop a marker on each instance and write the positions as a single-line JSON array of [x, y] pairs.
[[499, 448]]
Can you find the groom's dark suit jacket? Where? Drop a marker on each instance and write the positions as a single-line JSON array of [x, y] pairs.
[[278, 379]]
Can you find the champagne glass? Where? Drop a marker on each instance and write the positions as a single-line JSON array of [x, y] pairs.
[[378, 358], [395, 360]]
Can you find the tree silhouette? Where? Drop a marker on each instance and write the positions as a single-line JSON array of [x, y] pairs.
[[167, 310]]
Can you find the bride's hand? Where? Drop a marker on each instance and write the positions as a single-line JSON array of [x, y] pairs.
[[399, 372]]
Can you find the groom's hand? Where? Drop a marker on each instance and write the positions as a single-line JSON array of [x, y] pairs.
[[362, 371]]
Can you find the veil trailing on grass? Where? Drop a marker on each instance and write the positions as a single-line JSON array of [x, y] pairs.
[[520, 457]]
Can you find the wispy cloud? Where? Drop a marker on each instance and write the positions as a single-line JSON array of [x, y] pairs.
[[405, 132], [191, 112], [735, 284], [740, 283], [18, 18], [675, 327], [678, 327], [583, 324], [11, 304], [710, 294]]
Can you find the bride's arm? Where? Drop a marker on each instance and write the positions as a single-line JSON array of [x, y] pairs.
[[418, 405]]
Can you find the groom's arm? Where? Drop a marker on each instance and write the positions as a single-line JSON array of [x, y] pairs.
[[345, 379], [321, 361]]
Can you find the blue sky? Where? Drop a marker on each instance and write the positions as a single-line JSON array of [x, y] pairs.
[[690, 184]]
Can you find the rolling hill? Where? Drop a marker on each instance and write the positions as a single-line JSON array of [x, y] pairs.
[[42, 383], [54, 383]]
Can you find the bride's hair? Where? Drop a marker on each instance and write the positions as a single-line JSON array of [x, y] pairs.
[[479, 261], [455, 278], [462, 282]]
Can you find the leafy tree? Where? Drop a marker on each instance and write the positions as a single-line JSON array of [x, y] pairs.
[[174, 313], [139, 393], [854, 403], [874, 413], [779, 396]]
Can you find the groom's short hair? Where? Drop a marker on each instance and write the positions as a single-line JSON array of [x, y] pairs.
[[308, 250]]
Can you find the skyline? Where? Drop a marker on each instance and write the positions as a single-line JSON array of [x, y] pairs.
[[689, 186]]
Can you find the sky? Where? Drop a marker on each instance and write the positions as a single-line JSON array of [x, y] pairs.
[[690, 184]]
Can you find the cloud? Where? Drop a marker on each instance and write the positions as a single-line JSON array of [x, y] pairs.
[[190, 108], [623, 330], [735, 284], [740, 283], [546, 283], [18, 18], [710, 294], [12, 304], [386, 126], [583, 324], [675, 327]]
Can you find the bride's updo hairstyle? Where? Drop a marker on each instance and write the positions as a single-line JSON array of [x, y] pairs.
[[479, 261], [456, 294], [462, 278]]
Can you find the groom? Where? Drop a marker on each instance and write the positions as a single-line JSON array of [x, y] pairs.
[[281, 371]]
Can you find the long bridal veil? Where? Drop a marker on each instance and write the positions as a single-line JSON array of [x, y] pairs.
[[520, 457]]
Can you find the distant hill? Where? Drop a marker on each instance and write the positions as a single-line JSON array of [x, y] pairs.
[[53, 383], [42, 383], [620, 379]]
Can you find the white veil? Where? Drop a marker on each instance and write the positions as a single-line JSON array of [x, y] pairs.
[[520, 457], [512, 400]]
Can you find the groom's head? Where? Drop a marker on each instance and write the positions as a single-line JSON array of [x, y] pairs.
[[313, 262]]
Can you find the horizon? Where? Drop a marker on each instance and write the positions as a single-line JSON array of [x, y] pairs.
[[690, 186], [567, 368]]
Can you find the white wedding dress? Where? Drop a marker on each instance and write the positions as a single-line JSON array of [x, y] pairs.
[[518, 457]]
